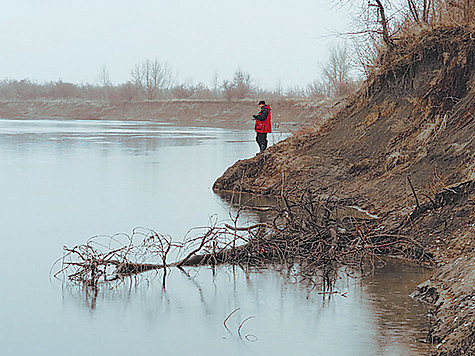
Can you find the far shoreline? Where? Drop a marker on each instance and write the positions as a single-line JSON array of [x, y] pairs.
[[291, 113]]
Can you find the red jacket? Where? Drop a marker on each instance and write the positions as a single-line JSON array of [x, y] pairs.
[[263, 120]]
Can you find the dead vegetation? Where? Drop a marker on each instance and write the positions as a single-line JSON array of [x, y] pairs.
[[304, 234], [109, 259]]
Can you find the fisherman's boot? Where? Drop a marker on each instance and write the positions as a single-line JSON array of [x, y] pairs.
[[262, 147]]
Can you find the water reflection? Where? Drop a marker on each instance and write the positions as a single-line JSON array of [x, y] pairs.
[[363, 318], [69, 135], [64, 181]]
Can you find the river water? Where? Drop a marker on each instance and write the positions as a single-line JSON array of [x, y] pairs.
[[64, 181]]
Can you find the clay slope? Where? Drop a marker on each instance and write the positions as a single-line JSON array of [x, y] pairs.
[[414, 117], [411, 123]]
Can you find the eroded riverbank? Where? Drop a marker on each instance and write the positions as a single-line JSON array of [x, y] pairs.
[[403, 147]]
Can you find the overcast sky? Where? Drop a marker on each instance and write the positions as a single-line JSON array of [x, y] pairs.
[[71, 40]]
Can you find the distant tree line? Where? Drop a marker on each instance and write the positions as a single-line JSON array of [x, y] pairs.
[[378, 24], [155, 80]]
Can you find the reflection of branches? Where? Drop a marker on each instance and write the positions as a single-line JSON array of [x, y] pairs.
[[305, 235], [227, 318], [198, 287], [248, 337], [241, 325]]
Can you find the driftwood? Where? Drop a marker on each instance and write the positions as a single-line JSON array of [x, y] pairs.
[[97, 261], [300, 232]]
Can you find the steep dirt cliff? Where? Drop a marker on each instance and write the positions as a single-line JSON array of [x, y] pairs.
[[402, 147], [414, 118]]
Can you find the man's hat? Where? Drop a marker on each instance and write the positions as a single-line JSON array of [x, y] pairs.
[[262, 102]]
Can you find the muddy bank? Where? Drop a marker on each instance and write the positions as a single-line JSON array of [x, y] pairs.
[[214, 113], [402, 148], [451, 293]]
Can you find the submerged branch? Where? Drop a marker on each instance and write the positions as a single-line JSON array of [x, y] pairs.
[[304, 233]]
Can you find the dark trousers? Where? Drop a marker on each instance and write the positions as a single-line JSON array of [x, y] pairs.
[[261, 139]]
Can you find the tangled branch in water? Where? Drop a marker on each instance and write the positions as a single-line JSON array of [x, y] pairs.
[[104, 259], [302, 235]]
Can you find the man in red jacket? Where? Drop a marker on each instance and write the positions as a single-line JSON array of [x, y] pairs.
[[263, 124]]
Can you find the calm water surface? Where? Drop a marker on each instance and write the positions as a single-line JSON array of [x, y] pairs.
[[64, 181]]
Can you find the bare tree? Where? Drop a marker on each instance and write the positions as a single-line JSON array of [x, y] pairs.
[[240, 87], [105, 83], [215, 83], [317, 89], [392, 17], [227, 89], [279, 90], [104, 79], [152, 77], [137, 75], [337, 72], [243, 84], [383, 21]]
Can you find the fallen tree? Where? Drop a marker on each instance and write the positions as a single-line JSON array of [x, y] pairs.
[[301, 232]]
